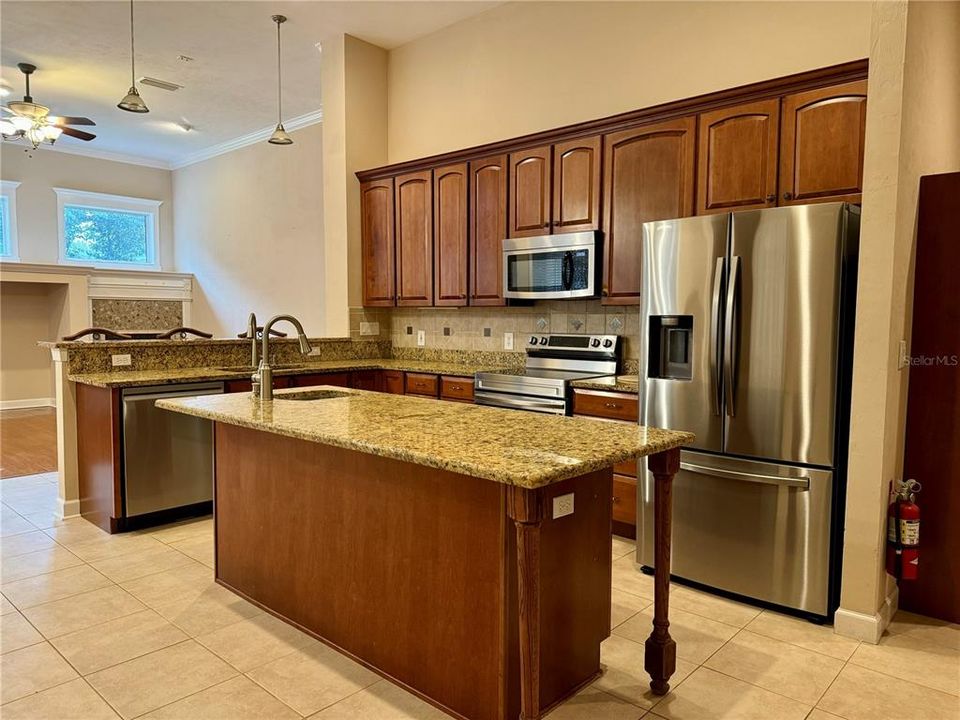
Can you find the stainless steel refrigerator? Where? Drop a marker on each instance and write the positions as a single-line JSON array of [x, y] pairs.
[[746, 340]]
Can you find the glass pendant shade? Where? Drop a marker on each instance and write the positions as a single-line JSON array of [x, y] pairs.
[[280, 136], [132, 102]]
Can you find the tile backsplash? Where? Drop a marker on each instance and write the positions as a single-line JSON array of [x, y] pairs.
[[136, 314]]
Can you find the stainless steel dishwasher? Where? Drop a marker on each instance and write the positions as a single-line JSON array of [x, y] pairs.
[[167, 457]]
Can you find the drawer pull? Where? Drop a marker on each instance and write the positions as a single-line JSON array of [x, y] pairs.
[[612, 405]]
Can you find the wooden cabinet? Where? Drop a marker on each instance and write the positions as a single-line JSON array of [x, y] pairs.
[[457, 389], [821, 144], [393, 382], [421, 384], [338, 379], [367, 380], [413, 200], [576, 185], [488, 228], [279, 382], [377, 243], [530, 197], [648, 174], [450, 222], [608, 405], [737, 157], [625, 505]]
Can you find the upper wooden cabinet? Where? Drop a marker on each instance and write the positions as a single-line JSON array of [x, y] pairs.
[[414, 207], [488, 228], [821, 144], [450, 235], [648, 174], [530, 175], [738, 157], [576, 185], [377, 242]]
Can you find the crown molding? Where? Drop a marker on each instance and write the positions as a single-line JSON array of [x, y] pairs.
[[107, 155], [295, 123]]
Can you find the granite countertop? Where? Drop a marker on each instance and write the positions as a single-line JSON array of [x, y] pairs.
[[134, 378], [618, 383], [525, 449]]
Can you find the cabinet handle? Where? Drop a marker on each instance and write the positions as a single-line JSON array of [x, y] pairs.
[[612, 405], [771, 197], [788, 195], [616, 500]]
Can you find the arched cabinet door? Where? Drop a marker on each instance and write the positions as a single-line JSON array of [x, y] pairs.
[[737, 157], [576, 185], [450, 222], [821, 144], [377, 243], [530, 184], [414, 207], [488, 228]]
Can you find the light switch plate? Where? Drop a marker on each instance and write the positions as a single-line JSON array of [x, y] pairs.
[[120, 360], [562, 505], [508, 341], [421, 338], [369, 328]]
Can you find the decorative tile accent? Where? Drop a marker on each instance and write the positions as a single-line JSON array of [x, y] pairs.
[[137, 314]]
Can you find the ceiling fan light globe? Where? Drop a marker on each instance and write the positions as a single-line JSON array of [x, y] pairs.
[[132, 102], [21, 123], [7, 128], [280, 137], [51, 133]]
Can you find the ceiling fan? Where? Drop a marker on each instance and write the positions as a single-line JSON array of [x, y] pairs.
[[27, 120]]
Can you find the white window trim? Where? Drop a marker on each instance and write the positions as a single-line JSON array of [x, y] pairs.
[[103, 201], [8, 189]]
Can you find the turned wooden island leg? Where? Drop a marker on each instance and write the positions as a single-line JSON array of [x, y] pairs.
[[660, 650], [524, 510]]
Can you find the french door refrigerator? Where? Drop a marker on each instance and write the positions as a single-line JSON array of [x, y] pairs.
[[746, 340]]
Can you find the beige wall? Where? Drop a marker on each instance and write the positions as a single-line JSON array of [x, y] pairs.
[[249, 226], [47, 169], [529, 66], [29, 312]]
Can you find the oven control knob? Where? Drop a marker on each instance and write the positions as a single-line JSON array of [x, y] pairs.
[[543, 340], [533, 340], [608, 343], [595, 342]]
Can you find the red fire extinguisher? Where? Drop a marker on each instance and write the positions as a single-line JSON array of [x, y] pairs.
[[903, 531]]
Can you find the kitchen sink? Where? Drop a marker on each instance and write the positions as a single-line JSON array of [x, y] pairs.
[[314, 395]]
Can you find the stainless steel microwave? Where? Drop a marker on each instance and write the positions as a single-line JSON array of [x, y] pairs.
[[566, 265]]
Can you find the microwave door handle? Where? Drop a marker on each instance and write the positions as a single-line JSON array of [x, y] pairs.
[[716, 351], [567, 270], [730, 339]]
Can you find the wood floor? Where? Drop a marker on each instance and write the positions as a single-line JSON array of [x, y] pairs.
[[28, 442]]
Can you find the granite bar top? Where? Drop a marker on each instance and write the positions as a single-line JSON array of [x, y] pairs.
[[134, 378], [525, 449], [618, 383]]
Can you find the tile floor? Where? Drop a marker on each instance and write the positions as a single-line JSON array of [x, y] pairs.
[[98, 626]]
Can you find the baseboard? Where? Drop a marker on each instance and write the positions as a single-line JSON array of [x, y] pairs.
[[27, 403], [68, 508], [867, 628]]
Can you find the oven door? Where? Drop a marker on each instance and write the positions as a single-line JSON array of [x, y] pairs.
[[552, 266], [530, 403]]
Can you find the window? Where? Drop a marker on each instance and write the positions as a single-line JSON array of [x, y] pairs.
[[8, 221], [108, 230]]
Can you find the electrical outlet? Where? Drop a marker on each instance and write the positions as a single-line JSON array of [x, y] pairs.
[[562, 505], [508, 341], [421, 338], [120, 360], [369, 328]]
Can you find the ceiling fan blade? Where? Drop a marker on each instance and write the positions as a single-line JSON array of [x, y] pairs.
[[69, 120], [79, 134]]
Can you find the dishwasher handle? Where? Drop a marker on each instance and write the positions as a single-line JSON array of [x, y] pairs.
[[155, 393]]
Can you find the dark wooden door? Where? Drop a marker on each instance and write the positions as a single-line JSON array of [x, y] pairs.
[[648, 175], [488, 228], [377, 243], [576, 185], [821, 144], [738, 157], [450, 221], [414, 206], [932, 451], [530, 175]]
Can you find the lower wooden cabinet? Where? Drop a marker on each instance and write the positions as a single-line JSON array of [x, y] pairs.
[[279, 381], [367, 380], [338, 379], [393, 382], [422, 384], [625, 506], [457, 389]]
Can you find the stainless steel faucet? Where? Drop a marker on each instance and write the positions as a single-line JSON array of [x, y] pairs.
[[252, 334], [263, 377]]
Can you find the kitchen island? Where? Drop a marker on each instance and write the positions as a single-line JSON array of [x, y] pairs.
[[461, 551]]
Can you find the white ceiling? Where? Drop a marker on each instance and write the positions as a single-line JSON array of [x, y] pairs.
[[82, 52]]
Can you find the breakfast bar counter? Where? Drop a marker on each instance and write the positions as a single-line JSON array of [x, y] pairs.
[[461, 551]]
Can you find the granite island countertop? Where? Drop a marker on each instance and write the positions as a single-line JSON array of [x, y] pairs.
[[528, 450]]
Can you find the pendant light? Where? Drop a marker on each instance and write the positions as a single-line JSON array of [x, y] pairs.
[[132, 102], [279, 136]]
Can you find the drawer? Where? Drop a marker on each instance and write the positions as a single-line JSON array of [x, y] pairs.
[[367, 380], [609, 405], [456, 388], [625, 499], [422, 384], [393, 382]]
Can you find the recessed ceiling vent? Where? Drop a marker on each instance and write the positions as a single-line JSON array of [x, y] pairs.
[[162, 84]]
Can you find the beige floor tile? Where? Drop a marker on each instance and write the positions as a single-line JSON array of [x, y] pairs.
[[162, 677], [117, 641], [54, 586], [25, 543], [594, 704], [237, 699], [622, 546], [628, 578], [182, 530], [30, 670], [75, 530], [43, 520], [180, 583], [213, 608], [199, 547], [778, 666], [862, 694], [14, 524], [250, 643], [819, 638], [933, 665], [621, 661], [6, 606], [113, 546], [37, 563], [383, 701], [16, 633], [924, 628], [709, 695], [311, 679], [624, 606], [138, 564], [818, 714], [711, 606], [697, 637], [74, 700], [82, 611]]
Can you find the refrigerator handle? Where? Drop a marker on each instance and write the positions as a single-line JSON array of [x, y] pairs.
[[730, 339], [716, 352]]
